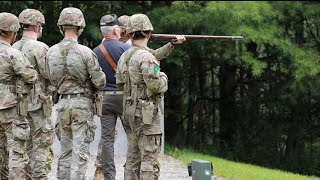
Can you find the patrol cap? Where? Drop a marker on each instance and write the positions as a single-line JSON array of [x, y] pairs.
[[109, 20]]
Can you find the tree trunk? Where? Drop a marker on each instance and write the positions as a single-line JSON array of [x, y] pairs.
[[227, 107], [295, 124], [192, 100]]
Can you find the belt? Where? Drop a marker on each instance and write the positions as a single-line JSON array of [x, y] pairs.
[[112, 92], [69, 96]]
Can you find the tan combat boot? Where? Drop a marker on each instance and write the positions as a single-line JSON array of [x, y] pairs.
[[98, 175]]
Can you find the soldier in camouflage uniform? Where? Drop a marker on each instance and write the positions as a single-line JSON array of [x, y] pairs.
[[139, 75], [39, 104], [113, 99], [160, 53], [14, 128], [75, 75]]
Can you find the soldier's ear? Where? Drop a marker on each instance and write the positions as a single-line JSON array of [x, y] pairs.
[[149, 34], [12, 36]]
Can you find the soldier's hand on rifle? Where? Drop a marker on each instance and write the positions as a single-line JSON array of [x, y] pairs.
[[179, 39]]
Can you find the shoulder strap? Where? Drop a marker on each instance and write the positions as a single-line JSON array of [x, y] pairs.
[[108, 57], [37, 62], [65, 49], [128, 89], [64, 52], [126, 60]]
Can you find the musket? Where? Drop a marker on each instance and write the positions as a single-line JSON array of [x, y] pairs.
[[195, 37]]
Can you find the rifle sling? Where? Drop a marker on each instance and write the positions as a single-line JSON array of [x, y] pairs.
[[108, 57]]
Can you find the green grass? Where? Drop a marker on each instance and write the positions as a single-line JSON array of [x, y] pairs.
[[234, 170]]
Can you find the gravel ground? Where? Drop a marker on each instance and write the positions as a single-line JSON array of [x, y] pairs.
[[171, 169]]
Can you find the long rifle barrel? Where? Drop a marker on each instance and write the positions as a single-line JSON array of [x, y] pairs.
[[195, 37]]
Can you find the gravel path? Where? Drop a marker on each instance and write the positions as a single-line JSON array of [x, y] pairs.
[[170, 169]]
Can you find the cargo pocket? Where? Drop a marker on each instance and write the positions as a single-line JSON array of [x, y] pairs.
[[129, 112], [20, 130], [90, 133], [47, 135], [47, 107], [19, 158], [147, 113], [152, 143], [146, 166]]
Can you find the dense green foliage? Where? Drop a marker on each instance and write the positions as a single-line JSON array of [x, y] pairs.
[[254, 100]]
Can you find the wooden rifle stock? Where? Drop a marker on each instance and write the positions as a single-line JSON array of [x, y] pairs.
[[195, 37]]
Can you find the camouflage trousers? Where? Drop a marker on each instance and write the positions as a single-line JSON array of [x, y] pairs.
[[143, 152], [75, 130], [14, 133], [39, 145]]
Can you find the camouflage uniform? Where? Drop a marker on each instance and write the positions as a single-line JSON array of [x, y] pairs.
[[160, 53], [139, 75], [14, 128], [75, 74], [112, 110], [40, 143]]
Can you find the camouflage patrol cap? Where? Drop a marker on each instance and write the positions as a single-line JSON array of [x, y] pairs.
[[71, 16], [123, 21], [139, 22], [31, 17], [109, 20], [9, 22]]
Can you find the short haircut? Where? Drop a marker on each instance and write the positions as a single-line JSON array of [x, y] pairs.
[[64, 27], [27, 27], [4, 33], [106, 30], [139, 35]]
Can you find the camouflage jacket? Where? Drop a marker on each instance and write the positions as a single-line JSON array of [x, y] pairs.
[[138, 75], [76, 73], [143, 68], [160, 53], [35, 51], [13, 67]]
